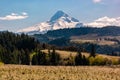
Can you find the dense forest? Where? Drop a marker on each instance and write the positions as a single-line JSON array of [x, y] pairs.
[[15, 48]]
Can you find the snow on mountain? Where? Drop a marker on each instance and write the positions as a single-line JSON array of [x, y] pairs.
[[60, 20], [104, 21]]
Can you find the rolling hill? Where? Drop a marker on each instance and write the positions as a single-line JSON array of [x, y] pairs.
[[107, 39]]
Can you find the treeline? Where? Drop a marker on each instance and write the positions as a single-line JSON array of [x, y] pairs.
[[105, 31], [53, 58], [50, 58]]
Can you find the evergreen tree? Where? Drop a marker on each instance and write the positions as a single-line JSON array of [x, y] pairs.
[[92, 54], [85, 60], [27, 57], [34, 60], [22, 57], [78, 59], [54, 57], [39, 59], [44, 46], [1, 53], [14, 57]]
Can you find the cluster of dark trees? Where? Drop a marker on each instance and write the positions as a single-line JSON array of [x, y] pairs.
[[15, 48], [54, 58], [50, 58], [60, 41]]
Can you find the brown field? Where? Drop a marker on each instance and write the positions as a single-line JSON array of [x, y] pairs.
[[93, 38], [66, 54], [23, 72], [102, 42]]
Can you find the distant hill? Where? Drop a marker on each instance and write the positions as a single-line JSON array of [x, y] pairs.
[[105, 31], [67, 33], [107, 39]]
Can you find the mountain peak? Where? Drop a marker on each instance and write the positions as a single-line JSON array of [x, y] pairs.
[[58, 15], [59, 20], [60, 12]]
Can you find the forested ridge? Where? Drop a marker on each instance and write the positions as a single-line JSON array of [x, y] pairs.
[[105, 31], [63, 37]]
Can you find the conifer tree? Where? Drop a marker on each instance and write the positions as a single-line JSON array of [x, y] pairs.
[[92, 54], [78, 58], [54, 57]]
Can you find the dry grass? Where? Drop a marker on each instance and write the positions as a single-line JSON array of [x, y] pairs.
[[102, 42], [66, 54], [93, 38], [22, 72]]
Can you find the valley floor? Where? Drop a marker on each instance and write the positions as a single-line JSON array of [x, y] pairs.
[[23, 72]]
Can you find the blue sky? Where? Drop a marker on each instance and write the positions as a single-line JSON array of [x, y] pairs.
[[18, 14]]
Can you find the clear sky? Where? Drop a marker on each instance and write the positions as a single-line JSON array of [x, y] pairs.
[[18, 14]]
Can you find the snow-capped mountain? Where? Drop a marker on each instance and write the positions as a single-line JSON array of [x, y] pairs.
[[60, 20]]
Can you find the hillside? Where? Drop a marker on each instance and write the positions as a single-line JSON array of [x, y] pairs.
[[105, 31], [107, 39], [66, 54]]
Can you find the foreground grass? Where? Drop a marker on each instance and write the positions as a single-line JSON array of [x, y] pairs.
[[22, 72]]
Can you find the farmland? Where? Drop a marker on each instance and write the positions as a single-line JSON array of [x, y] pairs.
[[102, 42], [23, 72], [94, 38]]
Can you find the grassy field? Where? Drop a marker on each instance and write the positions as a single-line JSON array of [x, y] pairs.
[[94, 38], [22, 72], [102, 42], [66, 54]]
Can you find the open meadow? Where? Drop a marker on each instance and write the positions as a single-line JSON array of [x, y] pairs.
[[66, 54], [23, 72]]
